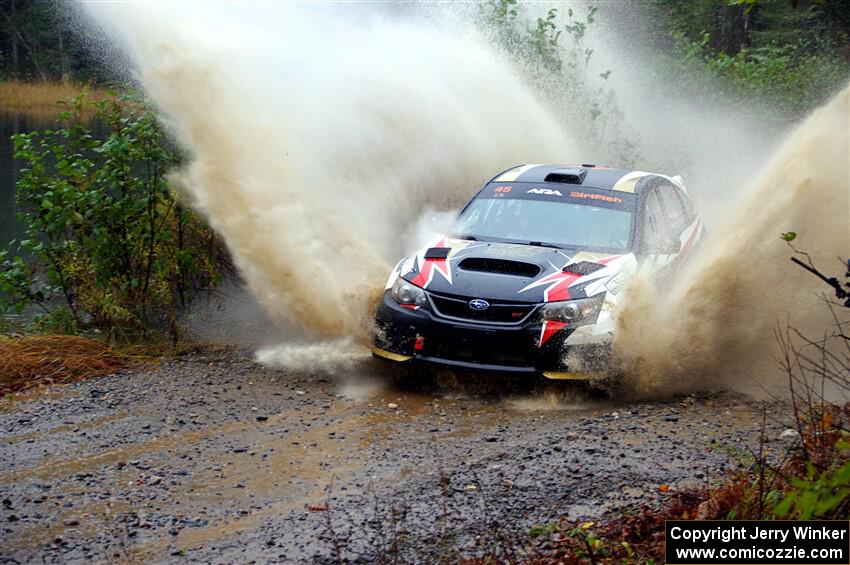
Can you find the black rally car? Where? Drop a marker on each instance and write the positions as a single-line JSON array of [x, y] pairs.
[[529, 279]]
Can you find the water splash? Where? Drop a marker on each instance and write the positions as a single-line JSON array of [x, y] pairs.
[[714, 327], [317, 136], [311, 150], [339, 354]]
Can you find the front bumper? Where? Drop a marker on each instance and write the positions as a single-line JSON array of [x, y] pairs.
[[421, 337]]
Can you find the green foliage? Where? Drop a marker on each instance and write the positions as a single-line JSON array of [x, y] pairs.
[[106, 245], [536, 46], [591, 546], [541, 530], [787, 77], [789, 58], [38, 41], [59, 320], [553, 54], [812, 482], [820, 493], [748, 4]]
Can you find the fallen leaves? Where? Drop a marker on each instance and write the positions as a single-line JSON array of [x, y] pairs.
[[34, 360]]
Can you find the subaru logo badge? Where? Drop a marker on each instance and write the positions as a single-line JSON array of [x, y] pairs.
[[479, 304]]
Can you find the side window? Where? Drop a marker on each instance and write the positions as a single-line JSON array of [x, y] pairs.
[[654, 230], [688, 205], [674, 209]]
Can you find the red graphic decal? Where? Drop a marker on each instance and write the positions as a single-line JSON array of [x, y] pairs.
[[550, 328], [559, 282], [502, 189], [428, 266], [422, 276], [558, 285], [561, 289], [603, 197]]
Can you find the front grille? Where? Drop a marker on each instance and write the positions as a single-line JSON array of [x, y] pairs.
[[499, 312]]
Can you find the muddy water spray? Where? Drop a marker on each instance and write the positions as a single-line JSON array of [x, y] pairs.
[[715, 326], [311, 147], [311, 151]]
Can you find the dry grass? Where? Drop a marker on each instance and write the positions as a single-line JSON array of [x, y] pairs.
[[30, 361], [38, 100]]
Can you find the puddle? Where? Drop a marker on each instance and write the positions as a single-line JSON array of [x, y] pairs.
[[10, 402], [57, 468], [87, 520], [559, 398], [96, 423]]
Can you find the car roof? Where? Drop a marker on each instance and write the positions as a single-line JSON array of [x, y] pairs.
[[590, 176]]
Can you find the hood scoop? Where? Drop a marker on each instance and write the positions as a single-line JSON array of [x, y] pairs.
[[583, 268], [438, 253], [500, 266]]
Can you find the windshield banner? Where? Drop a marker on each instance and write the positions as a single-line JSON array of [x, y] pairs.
[[573, 194]]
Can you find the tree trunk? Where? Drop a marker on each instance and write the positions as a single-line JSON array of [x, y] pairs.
[[734, 25], [63, 56], [14, 38], [18, 35]]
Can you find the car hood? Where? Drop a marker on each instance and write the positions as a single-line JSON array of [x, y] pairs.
[[508, 271]]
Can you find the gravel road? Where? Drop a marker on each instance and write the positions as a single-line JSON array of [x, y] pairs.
[[213, 458]]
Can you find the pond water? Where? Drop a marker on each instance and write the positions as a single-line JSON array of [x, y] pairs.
[[9, 125]]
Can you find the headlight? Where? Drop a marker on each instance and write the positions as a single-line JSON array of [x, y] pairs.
[[404, 292], [583, 310]]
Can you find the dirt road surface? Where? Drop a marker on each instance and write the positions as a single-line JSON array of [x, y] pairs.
[[213, 458]]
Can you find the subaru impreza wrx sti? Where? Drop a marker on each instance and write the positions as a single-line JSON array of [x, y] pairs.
[[531, 276]]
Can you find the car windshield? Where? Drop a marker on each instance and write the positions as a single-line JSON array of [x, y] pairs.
[[543, 221]]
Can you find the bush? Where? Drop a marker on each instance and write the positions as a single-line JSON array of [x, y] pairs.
[[553, 55], [107, 244], [791, 78]]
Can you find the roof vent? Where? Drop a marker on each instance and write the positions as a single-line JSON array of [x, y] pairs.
[[568, 176]]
